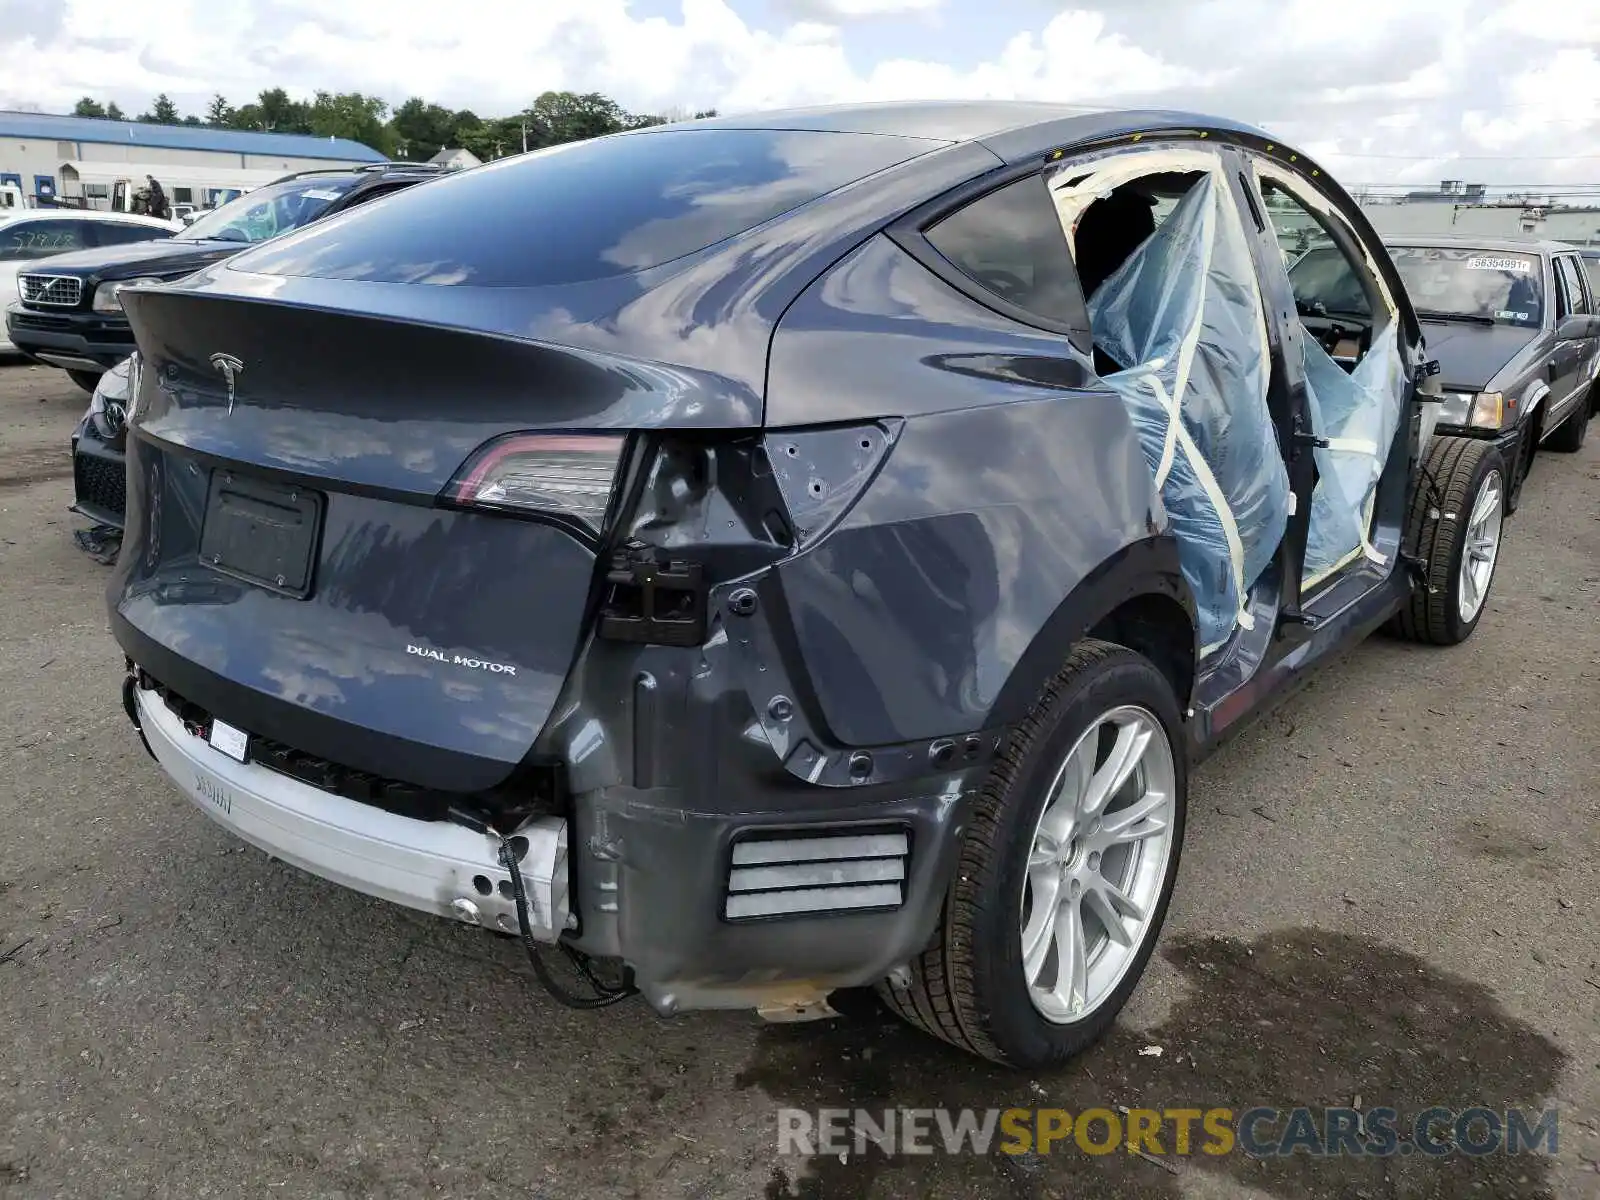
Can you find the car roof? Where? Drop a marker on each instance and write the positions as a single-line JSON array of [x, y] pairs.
[[81, 214], [1444, 241], [372, 171], [1012, 129]]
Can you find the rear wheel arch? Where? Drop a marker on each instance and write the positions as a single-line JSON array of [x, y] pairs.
[[1137, 598], [1161, 628]]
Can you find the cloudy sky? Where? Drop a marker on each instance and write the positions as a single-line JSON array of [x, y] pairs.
[[1505, 91]]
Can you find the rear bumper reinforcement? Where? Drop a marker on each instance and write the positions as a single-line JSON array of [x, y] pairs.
[[433, 866]]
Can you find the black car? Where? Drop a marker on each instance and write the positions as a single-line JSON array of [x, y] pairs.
[[782, 553], [69, 308], [1513, 324], [98, 475]]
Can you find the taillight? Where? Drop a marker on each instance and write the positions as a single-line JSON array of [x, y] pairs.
[[567, 476]]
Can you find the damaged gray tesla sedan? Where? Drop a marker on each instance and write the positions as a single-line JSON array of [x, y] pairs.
[[778, 554]]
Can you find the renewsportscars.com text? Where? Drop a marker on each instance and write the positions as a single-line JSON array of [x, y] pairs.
[[1259, 1132]]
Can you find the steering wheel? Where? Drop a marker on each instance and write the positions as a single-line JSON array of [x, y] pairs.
[[258, 223]]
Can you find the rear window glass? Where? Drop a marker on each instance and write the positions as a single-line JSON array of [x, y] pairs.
[[586, 210]]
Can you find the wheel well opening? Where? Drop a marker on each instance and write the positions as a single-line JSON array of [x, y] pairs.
[[1159, 628], [1536, 424]]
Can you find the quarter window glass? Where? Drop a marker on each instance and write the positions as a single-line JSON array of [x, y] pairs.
[[1010, 242]]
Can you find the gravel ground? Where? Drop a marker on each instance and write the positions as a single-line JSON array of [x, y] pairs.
[[1389, 891]]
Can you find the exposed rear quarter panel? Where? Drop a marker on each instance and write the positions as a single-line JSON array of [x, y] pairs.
[[1015, 476]]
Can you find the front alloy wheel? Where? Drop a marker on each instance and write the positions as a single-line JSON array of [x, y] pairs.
[[1483, 546], [1457, 516]]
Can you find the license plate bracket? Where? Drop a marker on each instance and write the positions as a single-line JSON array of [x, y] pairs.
[[260, 532]]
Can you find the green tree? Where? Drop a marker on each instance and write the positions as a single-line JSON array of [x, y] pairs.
[[354, 116], [273, 112], [114, 112], [420, 130], [219, 112], [162, 112], [558, 117], [494, 138], [88, 107]]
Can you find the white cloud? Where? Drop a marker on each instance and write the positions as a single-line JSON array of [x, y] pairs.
[[1389, 90], [849, 10]]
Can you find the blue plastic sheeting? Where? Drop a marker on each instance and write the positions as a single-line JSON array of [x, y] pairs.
[[1358, 412], [1185, 313]]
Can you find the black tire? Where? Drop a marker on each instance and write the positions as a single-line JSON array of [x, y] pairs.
[[1459, 467], [968, 986], [1569, 437], [87, 380]]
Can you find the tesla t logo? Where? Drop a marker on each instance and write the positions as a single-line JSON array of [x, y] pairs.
[[231, 369]]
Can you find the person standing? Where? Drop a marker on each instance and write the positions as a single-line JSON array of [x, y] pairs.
[[158, 199]]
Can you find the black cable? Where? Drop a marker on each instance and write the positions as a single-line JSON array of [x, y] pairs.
[[604, 995]]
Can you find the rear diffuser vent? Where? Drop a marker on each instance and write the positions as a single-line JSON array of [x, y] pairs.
[[815, 874]]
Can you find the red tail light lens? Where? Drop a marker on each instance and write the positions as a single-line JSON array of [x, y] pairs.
[[567, 476]]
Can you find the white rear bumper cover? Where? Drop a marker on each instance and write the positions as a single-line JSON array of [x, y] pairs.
[[433, 866]]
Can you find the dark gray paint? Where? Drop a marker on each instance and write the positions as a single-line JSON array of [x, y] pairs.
[[341, 654], [999, 510], [1472, 356], [1003, 492], [1541, 372]]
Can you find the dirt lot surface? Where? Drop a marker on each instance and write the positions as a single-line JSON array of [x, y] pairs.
[[1389, 892]]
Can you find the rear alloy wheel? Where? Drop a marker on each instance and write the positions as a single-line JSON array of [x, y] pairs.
[[1456, 530], [1066, 869], [87, 380], [1568, 439], [1095, 874]]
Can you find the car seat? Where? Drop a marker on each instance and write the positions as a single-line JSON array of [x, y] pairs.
[[1110, 229]]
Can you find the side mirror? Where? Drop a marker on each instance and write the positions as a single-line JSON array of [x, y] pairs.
[[1578, 325]]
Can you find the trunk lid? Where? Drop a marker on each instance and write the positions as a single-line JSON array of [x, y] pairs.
[[288, 565]]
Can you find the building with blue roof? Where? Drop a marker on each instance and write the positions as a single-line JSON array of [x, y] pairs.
[[80, 160]]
